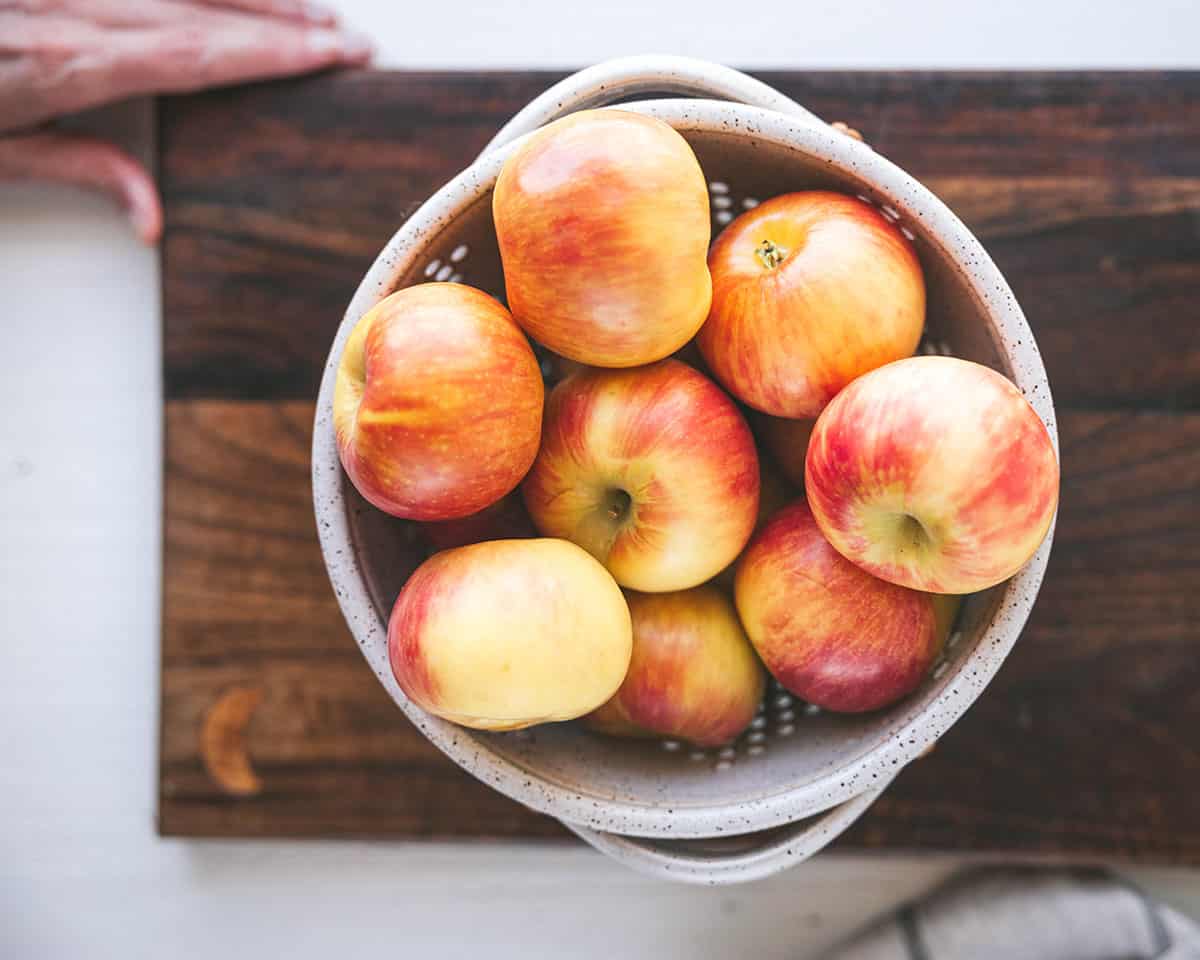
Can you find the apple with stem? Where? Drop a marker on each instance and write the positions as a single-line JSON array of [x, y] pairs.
[[810, 290]]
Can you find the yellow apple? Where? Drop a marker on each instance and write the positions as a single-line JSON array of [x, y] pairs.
[[510, 633]]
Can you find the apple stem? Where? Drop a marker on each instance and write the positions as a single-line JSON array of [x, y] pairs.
[[770, 255]]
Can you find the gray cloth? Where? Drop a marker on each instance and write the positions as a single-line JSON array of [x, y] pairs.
[[1029, 914]]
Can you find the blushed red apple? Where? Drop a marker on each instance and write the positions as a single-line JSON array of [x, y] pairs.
[[603, 224], [510, 633], [934, 473], [810, 290], [692, 675], [828, 631], [652, 470], [437, 403]]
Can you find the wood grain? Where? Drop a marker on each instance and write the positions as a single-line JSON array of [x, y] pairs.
[[247, 605], [1086, 742], [1085, 187]]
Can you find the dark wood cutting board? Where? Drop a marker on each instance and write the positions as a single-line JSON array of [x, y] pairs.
[[1085, 188]]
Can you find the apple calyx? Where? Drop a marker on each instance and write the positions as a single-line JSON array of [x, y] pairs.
[[900, 534], [770, 255], [914, 531], [618, 504], [599, 527]]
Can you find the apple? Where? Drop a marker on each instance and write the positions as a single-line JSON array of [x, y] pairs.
[[509, 633], [934, 473], [506, 519], [787, 442], [603, 224], [437, 404], [693, 674], [827, 630], [810, 290], [653, 471]]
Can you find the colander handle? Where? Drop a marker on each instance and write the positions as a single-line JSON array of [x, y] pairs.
[[618, 79], [679, 860]]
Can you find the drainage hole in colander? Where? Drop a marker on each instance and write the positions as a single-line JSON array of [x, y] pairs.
[[448, 269]]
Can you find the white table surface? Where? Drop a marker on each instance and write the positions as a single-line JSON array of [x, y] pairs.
[[82, 873]]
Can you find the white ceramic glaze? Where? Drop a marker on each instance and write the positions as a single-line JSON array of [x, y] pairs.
[[723, 861], [639, 789], [621, 79]]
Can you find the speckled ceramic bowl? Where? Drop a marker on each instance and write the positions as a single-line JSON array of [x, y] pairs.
[[796, 762], [738, 858]]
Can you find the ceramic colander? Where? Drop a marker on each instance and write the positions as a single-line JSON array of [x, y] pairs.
[[799, 775]]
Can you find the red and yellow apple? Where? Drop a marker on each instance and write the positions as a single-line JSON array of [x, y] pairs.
[[787, 442], [437, 403], [934, 473], [509, 633], [506, 519], [653, 471], [810, 290], [693, 674], [827, 630], [603, 224]]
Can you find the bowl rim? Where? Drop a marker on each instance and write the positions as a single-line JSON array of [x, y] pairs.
[[880, 757], [798, 842]]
